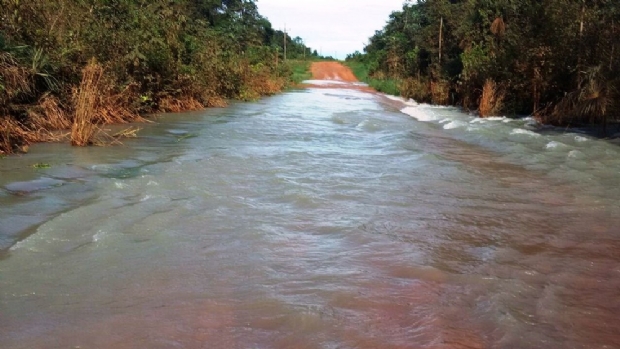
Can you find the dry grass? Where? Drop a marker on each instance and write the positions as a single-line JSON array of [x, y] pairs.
[[14, 136], [96, 103], [440, 92], [269, 85], [498, 27], [215, 102], [416, 89], [259, 82], [492, 99], [86, 99], [114, 107], [11, 135], [49, 114], [14, 79], [170, 104], [130, 132], [104, 138]]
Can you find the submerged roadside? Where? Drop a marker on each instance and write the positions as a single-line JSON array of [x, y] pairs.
[[71, 65], [98, 99]]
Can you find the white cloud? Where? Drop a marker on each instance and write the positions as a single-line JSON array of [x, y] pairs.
[[335, 27]]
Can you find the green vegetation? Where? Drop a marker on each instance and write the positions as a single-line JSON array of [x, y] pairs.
[[187, 136], [359, 69], [557, 60], [300, 70], [74, 64], [41, 165], [378, 82]]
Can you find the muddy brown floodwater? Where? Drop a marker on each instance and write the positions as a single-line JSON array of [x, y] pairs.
[[328, 217]]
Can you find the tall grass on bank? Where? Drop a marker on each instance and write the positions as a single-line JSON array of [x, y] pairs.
[[15, 136], [49, 114], [188, 62], [388, 86], [492, 100], [379, 83], [11, 134], [14, 78], [86, 102], [589, 103], [21, 124], [359, 69], [417, 90], [300, 70], [440, 92], [15, 81]]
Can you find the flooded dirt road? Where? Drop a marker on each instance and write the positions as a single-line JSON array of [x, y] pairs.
[[320, 218]]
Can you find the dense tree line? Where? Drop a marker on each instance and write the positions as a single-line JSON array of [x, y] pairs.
[[144, 56], [555, 59]]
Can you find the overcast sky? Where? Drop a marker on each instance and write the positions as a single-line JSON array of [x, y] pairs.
[[335, 27]]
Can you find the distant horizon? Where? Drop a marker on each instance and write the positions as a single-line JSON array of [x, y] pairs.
[[331, 28]]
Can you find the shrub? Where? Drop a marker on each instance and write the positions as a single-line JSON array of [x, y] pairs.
[[492, 99], [86, 99]]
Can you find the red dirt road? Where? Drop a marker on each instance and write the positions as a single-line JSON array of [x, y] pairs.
[[341, 75], [332, 71]]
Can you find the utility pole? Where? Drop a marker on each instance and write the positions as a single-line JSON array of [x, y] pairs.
[[440, 38]]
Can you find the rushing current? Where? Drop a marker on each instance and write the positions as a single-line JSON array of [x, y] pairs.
[[319, 218]]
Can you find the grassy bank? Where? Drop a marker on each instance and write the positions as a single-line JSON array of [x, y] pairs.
[[76, 65], [385, 85], [300, 70]]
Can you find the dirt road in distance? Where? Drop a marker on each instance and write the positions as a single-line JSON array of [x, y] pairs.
[[332, 71]]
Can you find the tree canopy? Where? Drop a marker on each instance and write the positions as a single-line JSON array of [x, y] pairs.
[[553, 59]]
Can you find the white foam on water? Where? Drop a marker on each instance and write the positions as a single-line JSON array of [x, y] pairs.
[[17, 245], [580, 139], [409, 102], [491, 118], [395, 98], [445, 121], [99, 235], [576, 154], [419, 114], [324, 82], [520, 131], [554, 145], [454, 124], [368, 125], [496, 118], [426, 105]]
